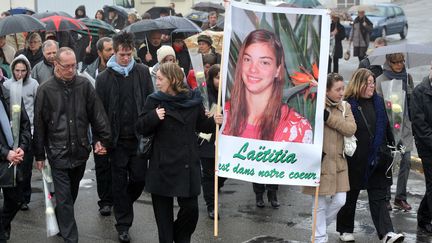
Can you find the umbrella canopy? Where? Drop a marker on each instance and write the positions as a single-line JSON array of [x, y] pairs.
[[141, 27], [61, 23], [20, 10], [208, 7], [363, 7], [120, 10], [20, 23], [415, 54], [51, 13], [216, 36], [303, 3], [94, 25], [155, 11], [181, 24]]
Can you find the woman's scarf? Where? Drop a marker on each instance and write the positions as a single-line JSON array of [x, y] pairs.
[[380, 131], [112, 63], [398, 76], [180, 100]]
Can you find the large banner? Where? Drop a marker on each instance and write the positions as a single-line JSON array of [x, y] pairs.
[[273, 94]]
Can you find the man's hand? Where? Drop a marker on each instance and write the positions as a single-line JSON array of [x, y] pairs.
[[40, 164], [218, 118], [99, 149], [148, 57]]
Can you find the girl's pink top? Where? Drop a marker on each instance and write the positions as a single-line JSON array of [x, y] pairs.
[[292, 127]]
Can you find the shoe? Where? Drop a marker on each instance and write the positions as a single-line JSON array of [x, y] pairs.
[[211, 214], [259, 200], [24, 207], [347, 237], [272, 197], [402, 204], [389, 206], [105, 210], [426, 228], [124, 237], [392, 237]]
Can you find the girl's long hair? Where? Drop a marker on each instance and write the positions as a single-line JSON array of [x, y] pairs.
[[357, 83], [238, 106]]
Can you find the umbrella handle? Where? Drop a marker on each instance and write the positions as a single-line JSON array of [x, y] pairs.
[[148, 50]]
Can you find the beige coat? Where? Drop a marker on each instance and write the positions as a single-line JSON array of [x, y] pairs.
[[334, 168]]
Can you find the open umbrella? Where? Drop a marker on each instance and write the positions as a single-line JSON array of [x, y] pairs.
[[155, 11], [20, 23], [363, 7], [120, 10], [181, 24], [415, 54], [208, 7], [42, 15], [20, 10], [141, 27], [61, 23], [94, 25]]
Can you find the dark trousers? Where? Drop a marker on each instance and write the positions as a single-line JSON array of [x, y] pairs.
[[378, 209], [424, 213], [66, 185], [103, 180], [128, 176], [24, 185], [180, 230], [260, 188], [207, 181], [11, 205], [335, 61]]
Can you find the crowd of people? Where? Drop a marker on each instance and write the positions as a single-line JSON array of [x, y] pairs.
[[119, 89]]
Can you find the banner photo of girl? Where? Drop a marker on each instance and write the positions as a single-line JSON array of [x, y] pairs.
[[273, 94]]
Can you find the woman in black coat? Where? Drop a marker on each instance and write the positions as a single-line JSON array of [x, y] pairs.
[[369, 168], [338, 33], [173, 115]]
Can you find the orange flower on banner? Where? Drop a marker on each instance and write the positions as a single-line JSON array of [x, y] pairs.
[[305, 77]]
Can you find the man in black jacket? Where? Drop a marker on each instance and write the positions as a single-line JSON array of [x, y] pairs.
[[123, 88], [65, 106], [13, 157], [421, 119]]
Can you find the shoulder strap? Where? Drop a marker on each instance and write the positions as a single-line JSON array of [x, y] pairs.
[[343, 108], [365, 121]]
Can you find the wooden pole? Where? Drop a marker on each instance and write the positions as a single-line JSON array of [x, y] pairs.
[[315, 213]]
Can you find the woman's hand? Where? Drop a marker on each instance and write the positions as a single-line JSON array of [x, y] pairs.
[[218, 118], [161, 113]]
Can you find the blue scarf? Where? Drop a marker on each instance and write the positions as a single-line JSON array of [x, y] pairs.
[[181, 100], [112, 63], [398, 76], [380, 131]]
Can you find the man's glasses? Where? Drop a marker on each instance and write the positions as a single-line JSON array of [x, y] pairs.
[[73, 66]]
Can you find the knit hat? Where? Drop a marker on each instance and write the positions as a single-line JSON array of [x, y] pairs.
[[205, 38], [163, 52]]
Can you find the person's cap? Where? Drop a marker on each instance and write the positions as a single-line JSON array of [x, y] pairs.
[[205, 38], [163, 52]]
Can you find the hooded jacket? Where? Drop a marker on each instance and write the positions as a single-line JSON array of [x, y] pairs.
[[29, 89], [82, 8]]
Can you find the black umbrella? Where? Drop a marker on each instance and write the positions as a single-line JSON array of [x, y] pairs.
[[141, 27], [51, 13], [198, 17], [208, 7], [20, 23], [120, 10], [155, 11], [181, 24]]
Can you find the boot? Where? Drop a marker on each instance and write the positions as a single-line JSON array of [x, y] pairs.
[[273, 199], [259, 200]]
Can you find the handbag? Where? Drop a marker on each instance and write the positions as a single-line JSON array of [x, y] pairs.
[[350, 143], [145, 144], [7, 175]]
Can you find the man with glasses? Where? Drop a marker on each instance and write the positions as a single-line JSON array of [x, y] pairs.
[[123, 88], [65, 107], [394, 68]]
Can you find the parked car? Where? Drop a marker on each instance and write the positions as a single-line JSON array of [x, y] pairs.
[[387, 19]]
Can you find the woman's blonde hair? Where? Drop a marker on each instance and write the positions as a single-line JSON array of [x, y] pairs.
[[357, 83], [175, 76]]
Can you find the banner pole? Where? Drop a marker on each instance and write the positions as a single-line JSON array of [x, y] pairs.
[[216, 169], [315, 213]]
